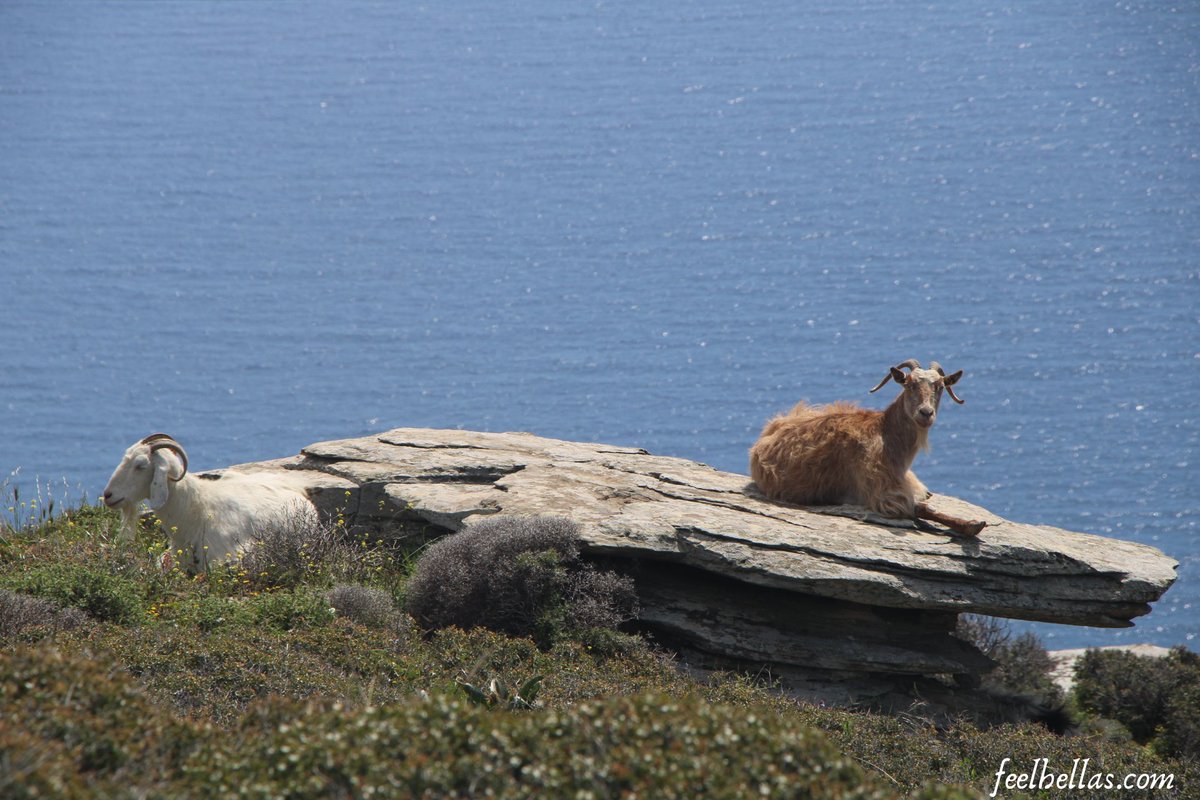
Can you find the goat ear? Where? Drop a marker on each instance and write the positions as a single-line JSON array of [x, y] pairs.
[[952, 379], [160, 488], [898, 375]]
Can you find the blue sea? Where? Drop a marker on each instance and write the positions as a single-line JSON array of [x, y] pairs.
[[257, 225]]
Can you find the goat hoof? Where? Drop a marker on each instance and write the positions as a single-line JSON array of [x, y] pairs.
[[973, 528]]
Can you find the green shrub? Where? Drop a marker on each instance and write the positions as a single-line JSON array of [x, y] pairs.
[[1180, 734], [286, 611], [208, 612], [1156, 699], [73, 725], [214, 677], [517, 575], [99, 594], [913, 753], [608, 643], [96, 712], [646, 746]]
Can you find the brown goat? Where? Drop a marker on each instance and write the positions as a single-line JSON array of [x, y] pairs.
[[845, 454]]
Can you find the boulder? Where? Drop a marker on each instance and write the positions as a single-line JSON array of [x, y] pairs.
[[736, 578]]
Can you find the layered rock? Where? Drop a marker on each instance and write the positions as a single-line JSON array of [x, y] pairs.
[[824, 594]]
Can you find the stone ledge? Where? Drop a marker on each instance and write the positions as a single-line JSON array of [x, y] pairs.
[[841, 603]]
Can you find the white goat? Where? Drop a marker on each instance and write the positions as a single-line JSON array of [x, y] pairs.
[[842, 453], [210, 518]]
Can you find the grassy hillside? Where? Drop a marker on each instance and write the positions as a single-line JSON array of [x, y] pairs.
[[295, 674]]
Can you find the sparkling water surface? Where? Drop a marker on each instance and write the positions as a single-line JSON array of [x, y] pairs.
[[259, 225]]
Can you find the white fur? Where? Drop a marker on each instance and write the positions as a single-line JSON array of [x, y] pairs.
[[208, 521]]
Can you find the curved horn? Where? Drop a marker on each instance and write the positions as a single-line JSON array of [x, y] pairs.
[[949, 385], [912, 364], [164, 442], [155, 437], [879, 386]]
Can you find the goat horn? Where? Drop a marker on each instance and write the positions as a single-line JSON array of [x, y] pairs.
[[912, 363], [155, 437], [949, 389], [886, 378], [165, 442]]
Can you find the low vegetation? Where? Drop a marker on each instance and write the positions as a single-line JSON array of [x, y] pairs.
[[297, 673], [1023, 666], [518, 575], [1157, 700]]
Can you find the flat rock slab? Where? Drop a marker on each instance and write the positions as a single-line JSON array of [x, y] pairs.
[[636, 505]]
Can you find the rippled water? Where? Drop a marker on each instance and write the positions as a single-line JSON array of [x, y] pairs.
[[259, 225]]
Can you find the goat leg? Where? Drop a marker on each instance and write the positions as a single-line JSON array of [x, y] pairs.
[[963, 527]]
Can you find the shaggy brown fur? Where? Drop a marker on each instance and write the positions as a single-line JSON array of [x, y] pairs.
[[845, 454]]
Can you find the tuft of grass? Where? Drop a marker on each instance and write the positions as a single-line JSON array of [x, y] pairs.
[[19, 513]]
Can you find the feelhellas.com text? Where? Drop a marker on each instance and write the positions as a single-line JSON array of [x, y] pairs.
[[1080, 776]]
